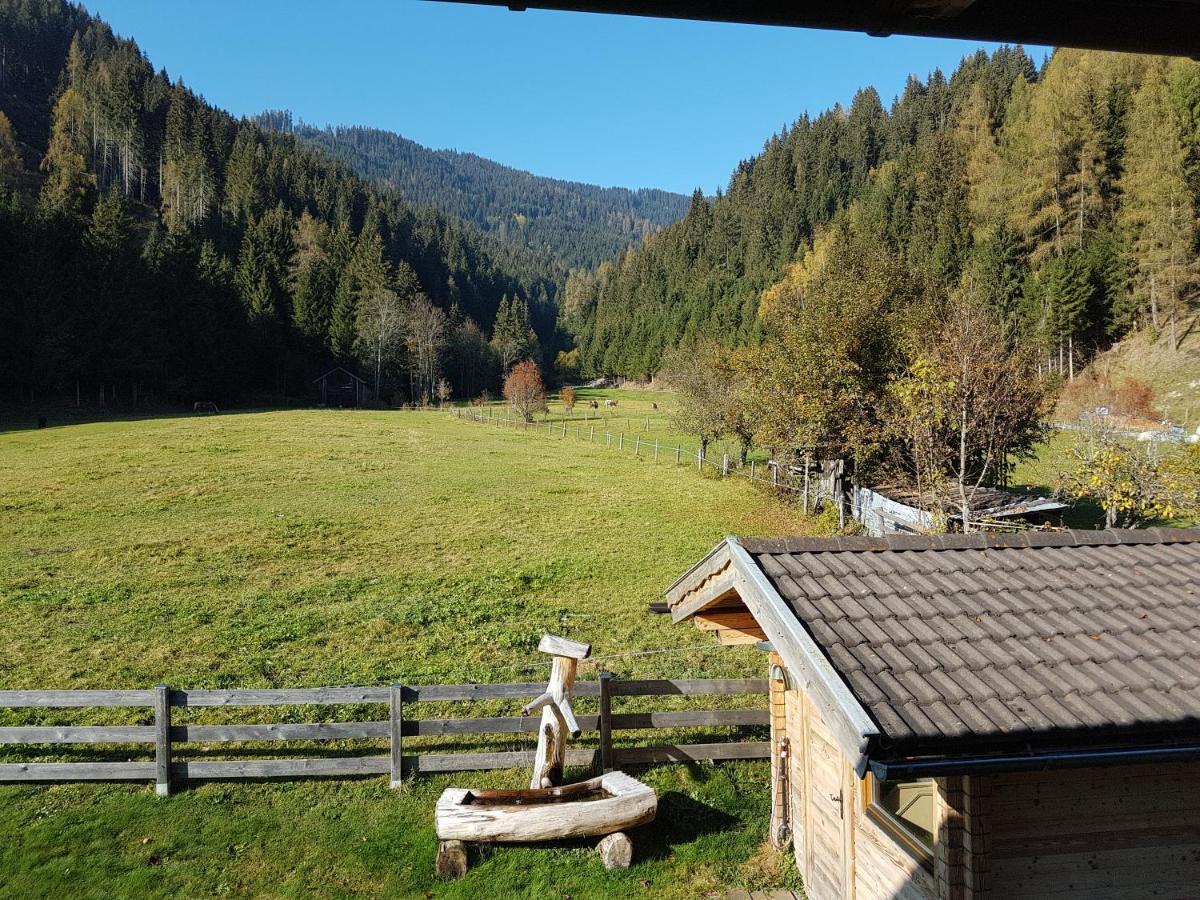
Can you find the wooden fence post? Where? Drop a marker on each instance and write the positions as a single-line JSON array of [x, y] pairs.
[[647, 428], [656, 449], [564, 427], [621, 440], [608, 439], [751, 470], [397, 724], [606, 750], [637, 446], [591, 434], [724, 464], [162, 740], [699, 459]]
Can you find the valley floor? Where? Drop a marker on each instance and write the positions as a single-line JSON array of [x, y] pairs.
[[310, 548]]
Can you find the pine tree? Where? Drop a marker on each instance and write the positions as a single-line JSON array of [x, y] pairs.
[[1159, 209]]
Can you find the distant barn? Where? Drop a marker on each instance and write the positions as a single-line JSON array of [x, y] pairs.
[[341, 387]]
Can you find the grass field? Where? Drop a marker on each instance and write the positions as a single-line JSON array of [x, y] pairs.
[[308, 548]]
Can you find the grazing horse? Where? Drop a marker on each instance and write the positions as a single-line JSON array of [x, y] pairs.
[[205, 406], [610, 403]]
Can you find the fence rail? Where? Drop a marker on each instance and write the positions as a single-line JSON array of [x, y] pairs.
[[167, 773]]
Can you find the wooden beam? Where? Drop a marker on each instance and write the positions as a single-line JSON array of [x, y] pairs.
[[717, 619], [735, 637], [561, 646]]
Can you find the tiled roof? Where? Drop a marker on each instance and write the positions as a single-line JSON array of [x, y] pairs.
[[1044, 639]]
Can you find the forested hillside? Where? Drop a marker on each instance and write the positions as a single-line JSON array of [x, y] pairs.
[[1064, 196], [578, 224], [151, 244]]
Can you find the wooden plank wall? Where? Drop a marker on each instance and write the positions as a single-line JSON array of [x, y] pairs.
[[840, 851], [1125, 832]]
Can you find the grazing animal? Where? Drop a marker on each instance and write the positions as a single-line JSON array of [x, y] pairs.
[[609, 404], [594, 404], [477, 402], [205, 406], [654, 406]]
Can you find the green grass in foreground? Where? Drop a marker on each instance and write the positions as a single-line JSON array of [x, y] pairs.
[[318, 547]]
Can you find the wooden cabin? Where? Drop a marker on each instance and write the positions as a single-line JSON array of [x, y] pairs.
[[975, 716], [340, 387]]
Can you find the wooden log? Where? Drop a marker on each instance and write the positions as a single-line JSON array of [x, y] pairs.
[[308, 731], [716, 620], [616, 850], [89, 771], [282, 697], [451, 859], [77, 734], [561, 646], [628, 803], [337, 766], [17, 699], [162, 740]]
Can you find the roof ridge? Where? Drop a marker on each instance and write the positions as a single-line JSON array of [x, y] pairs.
[[975, 541]]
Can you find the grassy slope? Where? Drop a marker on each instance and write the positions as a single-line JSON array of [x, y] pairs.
[[311, 548], [1175, 376]]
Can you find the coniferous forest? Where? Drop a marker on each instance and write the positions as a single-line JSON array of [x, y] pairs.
[[580, 225], [1063, 195], [153, 245]]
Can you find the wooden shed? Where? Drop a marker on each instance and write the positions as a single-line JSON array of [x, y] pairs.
[[975, 716], [341, 388]]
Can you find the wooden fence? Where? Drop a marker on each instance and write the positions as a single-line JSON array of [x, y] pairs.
[[167, 773]]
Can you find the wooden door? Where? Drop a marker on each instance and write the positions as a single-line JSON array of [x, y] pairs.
[[828, 805]]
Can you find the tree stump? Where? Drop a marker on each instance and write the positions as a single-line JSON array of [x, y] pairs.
[[451, 859], [616, 850]]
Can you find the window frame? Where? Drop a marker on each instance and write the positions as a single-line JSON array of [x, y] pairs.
[[896, 829]]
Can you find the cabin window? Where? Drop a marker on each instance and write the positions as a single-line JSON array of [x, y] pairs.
[[905, 810]]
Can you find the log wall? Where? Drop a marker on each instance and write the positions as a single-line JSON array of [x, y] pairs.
[[1105, 833]]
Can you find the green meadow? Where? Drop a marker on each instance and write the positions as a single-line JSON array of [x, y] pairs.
[[321, 547]]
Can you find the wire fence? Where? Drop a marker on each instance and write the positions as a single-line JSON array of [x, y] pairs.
[[716, 459]]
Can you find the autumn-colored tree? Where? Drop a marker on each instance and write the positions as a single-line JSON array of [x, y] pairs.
[[699, 374], [524, 389], [1133, 483], [967, 401], [568, 398]]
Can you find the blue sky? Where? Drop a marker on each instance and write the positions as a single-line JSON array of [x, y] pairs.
[[603, 99]]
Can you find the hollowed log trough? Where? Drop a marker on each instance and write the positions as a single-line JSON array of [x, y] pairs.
[[606, 805]]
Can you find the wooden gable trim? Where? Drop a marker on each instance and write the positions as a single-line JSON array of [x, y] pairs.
[[852, 728], [728, 581]]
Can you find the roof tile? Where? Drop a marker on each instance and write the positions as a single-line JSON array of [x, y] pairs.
[[1026, 636]]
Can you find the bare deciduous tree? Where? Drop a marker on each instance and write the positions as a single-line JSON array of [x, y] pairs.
[[425, 337], [379, 328]]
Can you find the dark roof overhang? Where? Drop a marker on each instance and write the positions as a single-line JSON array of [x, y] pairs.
[[1141, 26]]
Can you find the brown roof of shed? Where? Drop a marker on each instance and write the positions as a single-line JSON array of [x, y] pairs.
[[1041, 639]]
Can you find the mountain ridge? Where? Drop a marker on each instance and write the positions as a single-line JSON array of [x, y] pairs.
[[577, 223]]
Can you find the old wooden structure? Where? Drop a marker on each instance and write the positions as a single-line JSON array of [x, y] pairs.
[[340, 387], [605, 806], [975, 716]]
